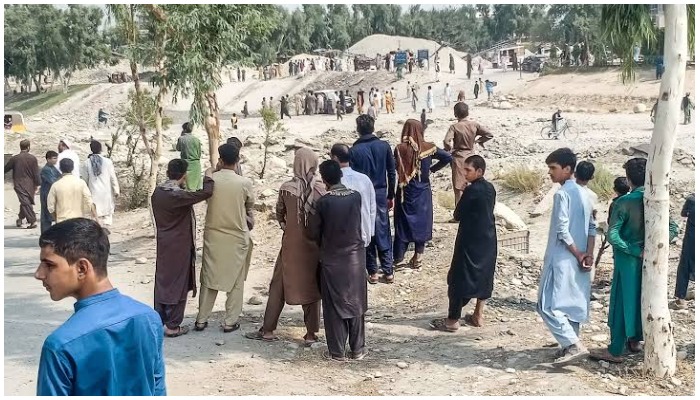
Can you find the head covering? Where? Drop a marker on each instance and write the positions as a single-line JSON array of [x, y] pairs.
[[67, 143], [412, 149], [304, 182], [95, 158]]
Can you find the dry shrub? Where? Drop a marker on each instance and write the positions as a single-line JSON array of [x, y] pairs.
[[602, 183], [521, 179], [446, 200]]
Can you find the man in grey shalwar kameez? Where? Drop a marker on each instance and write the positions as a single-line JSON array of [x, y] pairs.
[[337, 227], [565, 285]]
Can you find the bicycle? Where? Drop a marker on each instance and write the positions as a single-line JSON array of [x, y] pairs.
[[566, 130]]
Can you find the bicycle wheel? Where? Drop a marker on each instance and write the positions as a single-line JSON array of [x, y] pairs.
[[546, 133], [570, 133]]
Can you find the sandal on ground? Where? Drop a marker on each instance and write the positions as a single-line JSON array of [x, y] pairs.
[[231, 328], [469, 320], [258, 335], [372, 280], [181, 330], [18, 223], [32, 226], [389, 279], [440, 325], [413, 264], [200, 326], [604, 355], [359, 356], [635, 347], [571, 354], [309, 342], [678, 305], [327, 355]]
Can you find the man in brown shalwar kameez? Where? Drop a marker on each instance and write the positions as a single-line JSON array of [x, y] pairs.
[[460, 141], [175, 244], [337, 228], [25, 177], [294, 280]]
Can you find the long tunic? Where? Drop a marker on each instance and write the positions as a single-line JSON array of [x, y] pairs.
[[69, 153], [565, 289], [190, 149], [49, 176], [336, 227], [25, 176], [373, 157], [474, 258], [111, 346], [299, 255], [360, 183], [103, 187], [687, 260], [175, 245], [463, 135], [227, 242], [413, 211], [69, 197], [430, 101], [626, 236]]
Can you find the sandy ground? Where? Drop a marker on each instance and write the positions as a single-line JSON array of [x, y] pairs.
[[506, 357]]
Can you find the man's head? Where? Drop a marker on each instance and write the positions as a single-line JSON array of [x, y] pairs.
[[461, 110], [95, 147], [24, 145], [229, 155], [447, 84], [687, 94], [73, 257], [341, 154], [62, 146], [51, 157], [561, 164], [620, 186], [558, 110], [474, 168], [584, 172], [177, 170], [636, 172], [430, 88], [66, 165], [330, 173], [365, 124], [235, 142], [187, 127]]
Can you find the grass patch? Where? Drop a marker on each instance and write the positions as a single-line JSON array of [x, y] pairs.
[[32, 103], [521, 179], [602, 183]]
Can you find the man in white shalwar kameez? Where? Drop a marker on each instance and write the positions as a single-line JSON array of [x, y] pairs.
[[65, 150], [565, 284], [98, 172]]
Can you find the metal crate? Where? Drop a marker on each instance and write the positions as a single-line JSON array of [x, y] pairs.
[[518, 241]]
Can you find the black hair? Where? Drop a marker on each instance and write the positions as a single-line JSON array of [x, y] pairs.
[[584, 171], [51, 154], [564, 157], [78, 238], [620, 185], [341, 151], [234, 141], [636, 171], [95, 147], [229, 154], [66, 165], [461, 110], [24, 144], [477, 162], [330, 172], [430, 87], [365, 124], [177, 168], [187, 127]]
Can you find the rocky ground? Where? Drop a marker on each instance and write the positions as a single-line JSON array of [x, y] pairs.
[[506, 357]]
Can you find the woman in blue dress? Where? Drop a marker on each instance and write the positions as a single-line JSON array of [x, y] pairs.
[[413, 213]]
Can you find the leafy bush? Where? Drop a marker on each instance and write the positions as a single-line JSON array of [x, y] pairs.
[[602, 183], [521, 179]]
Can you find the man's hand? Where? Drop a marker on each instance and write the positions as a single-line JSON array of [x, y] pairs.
[[209, 172], [389, 204]]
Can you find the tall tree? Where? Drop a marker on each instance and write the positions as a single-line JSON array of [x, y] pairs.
[[630, 25], [84, 47]]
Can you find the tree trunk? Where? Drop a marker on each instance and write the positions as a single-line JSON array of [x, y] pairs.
[[155, 155], [37, 83], [212, 125], [659, 348]]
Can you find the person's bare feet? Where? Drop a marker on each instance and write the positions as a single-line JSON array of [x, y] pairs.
[[474, 320]]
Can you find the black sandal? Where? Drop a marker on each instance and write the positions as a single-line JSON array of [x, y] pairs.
[[181, 330], [232, 328], [200, 327]]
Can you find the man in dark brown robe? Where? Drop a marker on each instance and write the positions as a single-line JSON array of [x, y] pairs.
[[337, 228], [474, 260], [25, 176], [459, 141], [175, 244]]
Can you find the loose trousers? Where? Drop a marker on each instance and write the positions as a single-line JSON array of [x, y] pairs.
[[275, 304], [234, 304], [171, 314], [563, 329], [340, 331]]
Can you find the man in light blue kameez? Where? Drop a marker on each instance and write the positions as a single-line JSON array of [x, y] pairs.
[[565, 285]]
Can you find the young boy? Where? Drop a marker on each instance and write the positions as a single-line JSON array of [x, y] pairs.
[[621, 188], [584, 174], [112, 345], [565, 286], [49, 175]]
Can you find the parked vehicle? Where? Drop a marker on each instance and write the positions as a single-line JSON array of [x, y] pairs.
[[533, 64], [14, 122]]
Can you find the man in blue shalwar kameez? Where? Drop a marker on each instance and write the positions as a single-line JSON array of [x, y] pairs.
[[565, 285], [112, 345]]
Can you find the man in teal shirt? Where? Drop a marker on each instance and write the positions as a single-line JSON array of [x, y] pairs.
[[112, 345]]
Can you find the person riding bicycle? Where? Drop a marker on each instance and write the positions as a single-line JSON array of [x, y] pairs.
[[556, 117], [102, 117]]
